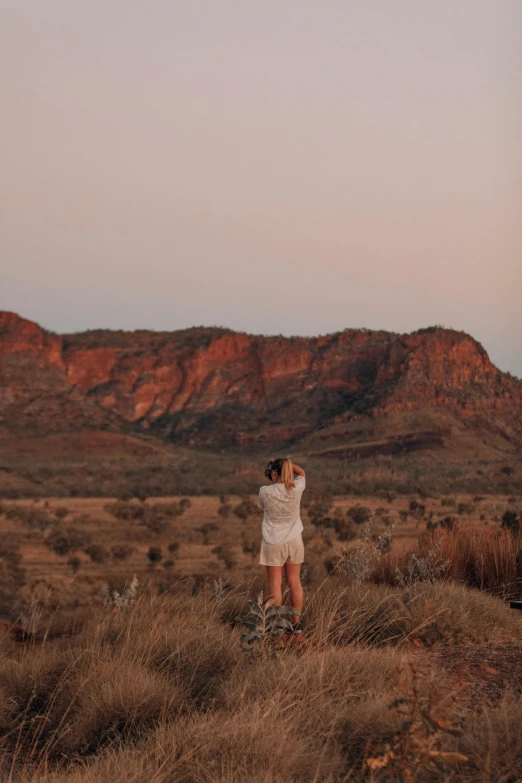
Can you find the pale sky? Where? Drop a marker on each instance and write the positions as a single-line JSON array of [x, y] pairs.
[[285, 166]]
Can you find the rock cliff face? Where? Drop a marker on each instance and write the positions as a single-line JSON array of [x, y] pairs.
[[215, 388]]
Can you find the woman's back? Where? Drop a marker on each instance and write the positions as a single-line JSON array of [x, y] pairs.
[[282, 518]]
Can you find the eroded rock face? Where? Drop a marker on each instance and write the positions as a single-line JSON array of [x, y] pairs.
[[216, 388], [18, 335]]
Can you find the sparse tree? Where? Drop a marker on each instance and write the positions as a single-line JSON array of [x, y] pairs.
[[511, 521], [154, 555]]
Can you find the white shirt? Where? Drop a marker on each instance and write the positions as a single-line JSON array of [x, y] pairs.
[[282, 519]]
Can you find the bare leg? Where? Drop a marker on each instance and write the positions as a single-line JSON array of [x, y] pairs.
[[274, 574], [293, 571]]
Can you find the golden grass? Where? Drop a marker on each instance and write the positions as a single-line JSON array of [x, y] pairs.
[[485, 558], [162, 691]]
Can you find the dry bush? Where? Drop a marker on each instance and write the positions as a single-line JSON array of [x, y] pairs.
[[121, 552], [487, 559], [65, 540], [32, 517]]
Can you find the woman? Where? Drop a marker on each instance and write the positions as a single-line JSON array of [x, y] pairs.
[[282, 543]]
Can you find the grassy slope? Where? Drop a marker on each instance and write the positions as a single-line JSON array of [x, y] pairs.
[[162, 692]]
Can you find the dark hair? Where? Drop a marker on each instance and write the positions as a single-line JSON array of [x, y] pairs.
[[283, 467]]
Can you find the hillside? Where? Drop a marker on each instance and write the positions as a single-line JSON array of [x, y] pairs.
[[350, 396]]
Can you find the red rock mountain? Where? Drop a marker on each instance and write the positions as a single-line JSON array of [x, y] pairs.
[[214, 388]]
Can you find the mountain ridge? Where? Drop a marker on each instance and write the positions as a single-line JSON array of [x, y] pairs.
[[213, 388]]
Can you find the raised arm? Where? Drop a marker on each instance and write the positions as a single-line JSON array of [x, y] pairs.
[[297, 470]]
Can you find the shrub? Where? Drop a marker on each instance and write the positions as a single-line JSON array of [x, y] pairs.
[[251, 547], [359, 563], [224, 510], [422, 569], [75, 563], [154, 555], [447, 523], [511, 521], [97, 552], [121, 552], [448, 501], [487, 559], [318, 506], [359, 514], [344, 528], [32, 517], [158, 518], [64, 540], [245, 510], [264, 624], [205, 529], [173, 547], [417, 509], [225, 553], [126, 511]]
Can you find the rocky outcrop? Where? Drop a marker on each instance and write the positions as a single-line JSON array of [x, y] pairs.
[[215, 388]]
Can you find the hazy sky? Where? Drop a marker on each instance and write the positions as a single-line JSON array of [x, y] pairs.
[[288, 166]]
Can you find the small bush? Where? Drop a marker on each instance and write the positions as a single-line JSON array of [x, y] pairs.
[[225, 553], [206, 529], [121, 552], [224, 510], [64, 540], [448, 501], [154, 555], [359, 514], [74, 563], [32, 517], [245, 510], [510, 521], [417, 509], [97, 552], [448, 523]]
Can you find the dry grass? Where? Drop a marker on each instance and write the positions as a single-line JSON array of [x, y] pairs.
[[162, 691], [484, 558]]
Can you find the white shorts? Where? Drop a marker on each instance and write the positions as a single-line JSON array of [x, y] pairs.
[[279, 554]]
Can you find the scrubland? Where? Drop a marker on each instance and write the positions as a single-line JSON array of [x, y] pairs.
[[410, 667]]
